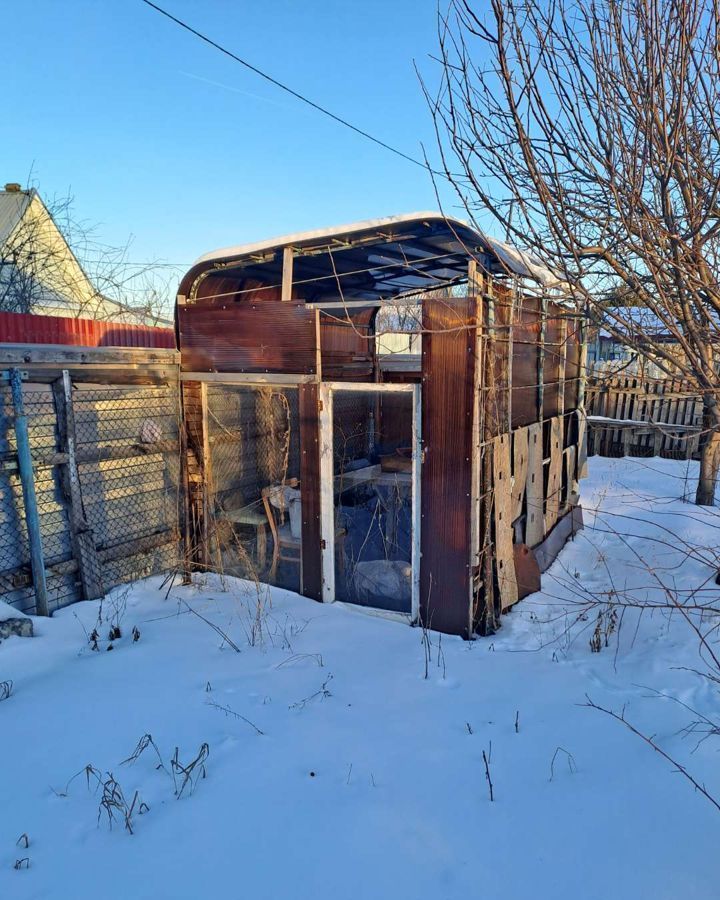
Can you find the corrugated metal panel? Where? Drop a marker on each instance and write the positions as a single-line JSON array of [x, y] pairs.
[[26, 328], [235, 337], [447, 408], [525, 358]]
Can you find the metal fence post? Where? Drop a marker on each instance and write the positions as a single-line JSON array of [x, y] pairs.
[[27, 478]]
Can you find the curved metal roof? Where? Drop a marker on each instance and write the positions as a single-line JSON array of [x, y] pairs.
[[377, 258]]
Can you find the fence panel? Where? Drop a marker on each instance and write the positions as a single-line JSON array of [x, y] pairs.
[[106, 467], [633, 416]]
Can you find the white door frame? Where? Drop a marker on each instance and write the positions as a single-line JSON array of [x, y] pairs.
[[327, 482]]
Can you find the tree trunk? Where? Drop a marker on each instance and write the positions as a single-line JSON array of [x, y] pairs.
[[709, 458]]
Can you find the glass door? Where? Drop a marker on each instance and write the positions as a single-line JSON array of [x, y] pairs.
[[370, 474]]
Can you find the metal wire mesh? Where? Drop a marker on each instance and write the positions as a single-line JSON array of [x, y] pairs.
[[254, 443], [131, 497], [14, 547], [354, 427], [128, 466]]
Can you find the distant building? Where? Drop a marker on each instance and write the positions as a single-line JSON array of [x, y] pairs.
[[637, 322], [39, 273]]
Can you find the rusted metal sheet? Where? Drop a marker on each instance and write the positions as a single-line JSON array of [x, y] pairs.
[[220, 336], [347, 347], [310, 491], [447, 407], [525, 350], [573, 351], [497, 397], [527, 571], [27, 328], [553, 363]]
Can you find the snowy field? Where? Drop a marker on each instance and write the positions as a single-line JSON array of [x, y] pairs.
[[337, 769]]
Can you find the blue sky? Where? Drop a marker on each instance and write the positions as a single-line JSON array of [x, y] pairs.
[[159, 136]]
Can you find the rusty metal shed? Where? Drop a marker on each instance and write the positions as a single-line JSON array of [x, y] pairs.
[[436, 485]]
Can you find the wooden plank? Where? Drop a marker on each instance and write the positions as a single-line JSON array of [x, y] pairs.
[[582, 467], [520, 470], [503, 502], [672, 443], [447, 410], [548, 549], [135, 374], [570, 458], [65, 357], [658, 414], [554, 485], [310, 500], [534, 527], [250, 378], [83, 539], [628, 413], [287, 275]]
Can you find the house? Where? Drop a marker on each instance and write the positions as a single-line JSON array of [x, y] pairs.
[[39, 273], [636, 324], [435, 489]]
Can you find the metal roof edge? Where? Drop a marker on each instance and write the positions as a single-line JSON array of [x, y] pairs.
[[515, 260], [301, 237]]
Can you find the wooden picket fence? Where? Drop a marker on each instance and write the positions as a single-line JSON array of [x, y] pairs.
[[629, 415]]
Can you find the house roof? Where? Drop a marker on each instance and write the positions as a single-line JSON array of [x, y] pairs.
[[374, 259], [63, 286]]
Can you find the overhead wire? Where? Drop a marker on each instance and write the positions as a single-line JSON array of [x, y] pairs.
[[298, 96]]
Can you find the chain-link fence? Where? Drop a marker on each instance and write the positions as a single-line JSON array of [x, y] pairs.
[[106, 472], [15, 583]]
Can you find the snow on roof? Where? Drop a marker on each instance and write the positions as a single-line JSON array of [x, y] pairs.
[[632, 319], [466, 236]]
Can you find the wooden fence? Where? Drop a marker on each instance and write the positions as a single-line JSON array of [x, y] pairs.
[[633, 416], [89, 470]]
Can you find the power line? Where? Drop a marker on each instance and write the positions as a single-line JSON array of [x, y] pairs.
[[289, 90]]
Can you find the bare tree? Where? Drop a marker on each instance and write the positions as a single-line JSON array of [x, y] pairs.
[[589, 131], [52, 262]]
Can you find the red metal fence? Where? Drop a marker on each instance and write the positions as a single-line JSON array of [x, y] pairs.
[[25, 328]]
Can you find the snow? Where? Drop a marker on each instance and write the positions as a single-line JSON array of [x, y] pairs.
[[517, 261], [371, 783], [9, 612]]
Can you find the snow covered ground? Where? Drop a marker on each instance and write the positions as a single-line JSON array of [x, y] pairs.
[[368, 780]]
